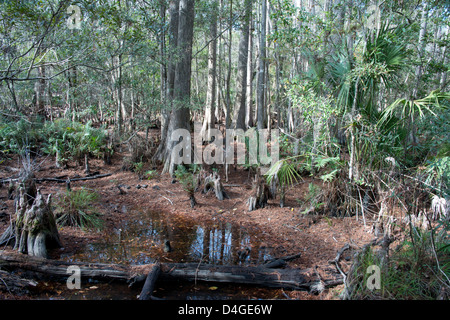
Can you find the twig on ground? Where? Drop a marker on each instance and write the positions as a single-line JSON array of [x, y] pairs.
[[167, 199]]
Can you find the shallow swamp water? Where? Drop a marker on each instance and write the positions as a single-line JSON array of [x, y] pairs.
[[145, 237]]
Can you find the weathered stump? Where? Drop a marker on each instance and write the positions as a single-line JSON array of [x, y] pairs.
[[34, 227], [261, 193], [213, 182]]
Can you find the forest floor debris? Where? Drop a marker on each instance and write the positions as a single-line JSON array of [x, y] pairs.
[[286, 230]]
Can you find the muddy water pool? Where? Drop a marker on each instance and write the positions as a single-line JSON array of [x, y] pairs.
[[144, 237], [148, 236]]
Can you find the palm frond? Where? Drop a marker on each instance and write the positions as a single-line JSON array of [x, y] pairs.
[[432, 103], [283, 171]]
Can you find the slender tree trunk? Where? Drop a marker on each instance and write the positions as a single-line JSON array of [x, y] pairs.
[[353, 172], [261, 68], [249, 110], [422, 43], [443, 75], [419, 69], [209, 119], [230, 40], [39, 92], [278, 68], [240, 104], [163, 70], [218, 111]]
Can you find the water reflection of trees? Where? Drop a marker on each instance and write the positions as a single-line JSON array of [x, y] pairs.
[[141, 237], [218, 244]]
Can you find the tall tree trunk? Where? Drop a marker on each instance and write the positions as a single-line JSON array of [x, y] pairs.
[[179, 118], [249, 110], [161, 152], [260, 102], [163, 70], [422, 43], [230, 40], [209, 119], [419, 69], [39, 91], [443, 76], [240, 104]]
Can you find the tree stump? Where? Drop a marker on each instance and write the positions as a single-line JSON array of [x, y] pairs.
[[34, 227], [213, 182], [260, 195]]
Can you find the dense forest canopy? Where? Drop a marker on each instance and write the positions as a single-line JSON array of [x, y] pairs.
[[358, 90], [325, 72]]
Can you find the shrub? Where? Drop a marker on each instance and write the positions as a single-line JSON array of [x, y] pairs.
[[150, 174], [419, 268], [186, 178], [16, 136], [63, 138], [76, 208]]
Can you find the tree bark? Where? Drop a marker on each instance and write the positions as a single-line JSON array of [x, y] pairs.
[[422, 44], [162, 152], [34, 224], [295, 279], [249, 106], [213, 182], [228, 93], [260, 102], [260, 195], [180, 116], [150, 281], [209, 119], [240, 104]]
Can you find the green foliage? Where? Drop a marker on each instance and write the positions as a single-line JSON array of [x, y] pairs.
[[317, 112], [20, 135], [138, 167], [416, 270], [313, 200], [333, 166], [77, 208], [408, 109], [438, 175], [186, 179], [65, 139], [150, 174], [284, 171]]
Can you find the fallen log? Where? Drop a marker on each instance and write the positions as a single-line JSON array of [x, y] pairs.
[[98, 176], [58, 180], [149, 285], [265, 277], [59, 269], [14, 284], [281, 261], [294, 279]]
